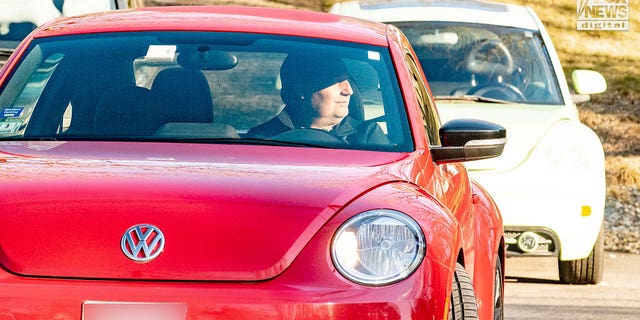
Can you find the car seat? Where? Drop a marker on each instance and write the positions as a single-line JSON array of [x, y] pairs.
[[126, 112], [183, 95]]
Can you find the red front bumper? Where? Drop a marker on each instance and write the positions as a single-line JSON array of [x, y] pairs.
[[421, 296]]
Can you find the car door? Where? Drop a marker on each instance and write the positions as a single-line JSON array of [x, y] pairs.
[[450, 182]]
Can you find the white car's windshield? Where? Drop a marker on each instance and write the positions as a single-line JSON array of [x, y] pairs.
[[206, 87], [464, 59]]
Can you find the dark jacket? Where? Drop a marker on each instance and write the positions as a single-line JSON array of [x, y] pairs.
[[349, 130]]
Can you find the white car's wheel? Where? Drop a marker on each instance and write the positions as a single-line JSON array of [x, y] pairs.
[[587, 270], [464, 305]]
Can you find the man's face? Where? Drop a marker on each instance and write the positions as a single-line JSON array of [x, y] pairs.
[[331, 104]]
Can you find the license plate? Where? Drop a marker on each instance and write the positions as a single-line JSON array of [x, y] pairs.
[[101, 310]]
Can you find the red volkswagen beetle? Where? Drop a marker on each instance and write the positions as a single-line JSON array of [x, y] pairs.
[[237, 163]]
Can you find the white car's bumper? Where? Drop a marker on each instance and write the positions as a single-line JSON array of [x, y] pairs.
[[567, 212]]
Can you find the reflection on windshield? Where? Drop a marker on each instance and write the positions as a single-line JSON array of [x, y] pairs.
[[500, 63]]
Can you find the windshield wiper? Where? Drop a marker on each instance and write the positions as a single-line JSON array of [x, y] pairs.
[[255, 141], [274, 142], [472, 98]]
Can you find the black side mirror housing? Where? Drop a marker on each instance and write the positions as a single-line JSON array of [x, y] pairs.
[[469, 139]]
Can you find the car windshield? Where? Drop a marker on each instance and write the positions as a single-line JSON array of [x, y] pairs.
[[498, 63], [202, 87]]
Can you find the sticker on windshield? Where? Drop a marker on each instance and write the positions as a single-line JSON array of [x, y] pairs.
[[158, 52], [12, 112], [374, 55], [10, 127]]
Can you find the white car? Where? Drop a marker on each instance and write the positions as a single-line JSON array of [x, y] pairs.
[[19, 17], [496, 62]]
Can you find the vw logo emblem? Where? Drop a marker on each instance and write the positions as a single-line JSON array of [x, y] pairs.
[[142, 243]]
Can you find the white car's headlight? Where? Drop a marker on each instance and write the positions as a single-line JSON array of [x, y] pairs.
[[568, 156], [378, 247]]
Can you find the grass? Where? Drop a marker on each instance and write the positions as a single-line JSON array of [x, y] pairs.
[[623, 173]]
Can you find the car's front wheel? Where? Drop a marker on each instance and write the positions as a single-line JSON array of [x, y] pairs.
[[498, 293], [463, 304], [585, 271]]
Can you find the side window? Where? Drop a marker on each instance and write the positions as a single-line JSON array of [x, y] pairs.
[[430, 117], [16, 114]]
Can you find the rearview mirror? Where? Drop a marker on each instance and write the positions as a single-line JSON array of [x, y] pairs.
[[444, 38], [205, 58]]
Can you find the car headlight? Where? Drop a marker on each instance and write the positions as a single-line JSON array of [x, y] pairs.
[[378, 247]]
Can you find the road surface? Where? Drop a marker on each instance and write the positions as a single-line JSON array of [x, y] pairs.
[[532, 291]]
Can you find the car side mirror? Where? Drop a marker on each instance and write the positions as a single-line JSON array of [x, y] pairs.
[[469, 139], [586, 82]]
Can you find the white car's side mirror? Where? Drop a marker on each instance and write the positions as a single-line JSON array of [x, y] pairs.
[[588, 82]]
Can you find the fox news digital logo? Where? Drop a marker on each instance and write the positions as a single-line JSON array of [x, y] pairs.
[[603, 15]]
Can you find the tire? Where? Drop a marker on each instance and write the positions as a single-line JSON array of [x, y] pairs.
[[585, 271], [463, 304], [498, 293]]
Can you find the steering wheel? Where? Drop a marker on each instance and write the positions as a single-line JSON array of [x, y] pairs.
[[310, 136], [490, 57], [500, 91]]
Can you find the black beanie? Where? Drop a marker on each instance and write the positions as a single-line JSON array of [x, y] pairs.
[[302, 75]]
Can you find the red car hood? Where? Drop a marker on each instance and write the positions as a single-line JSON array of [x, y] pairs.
[[226, 212]]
